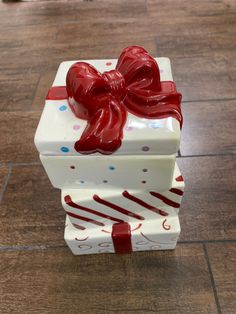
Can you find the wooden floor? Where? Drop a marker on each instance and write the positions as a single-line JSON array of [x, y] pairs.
[[38, 274]]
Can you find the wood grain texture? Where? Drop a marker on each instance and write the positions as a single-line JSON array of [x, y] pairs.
[[43, 35], [3, 173], [31, 211], [17, 131], [38, 274], [208, 209], [209, 128], [55, 281], [17, 89], [52, 12], [222, 257]]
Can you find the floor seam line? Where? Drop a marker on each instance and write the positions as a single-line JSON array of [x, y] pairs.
[[212, 279], [5, 183]]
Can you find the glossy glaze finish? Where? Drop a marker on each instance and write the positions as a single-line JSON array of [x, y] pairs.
[[160, 234], [103, 99], [110, 172], [108, 207], [59, 127], [117, 221]]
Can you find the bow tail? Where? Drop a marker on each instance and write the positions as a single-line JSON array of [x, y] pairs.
[[104, 131], [151, 105]]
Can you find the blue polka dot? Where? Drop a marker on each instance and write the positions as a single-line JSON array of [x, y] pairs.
[[81, 181], [65, 149], [154, 125], [63, 108], [112, 168]]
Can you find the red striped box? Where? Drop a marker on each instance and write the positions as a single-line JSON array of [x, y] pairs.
[[122, 221], [100, 207]]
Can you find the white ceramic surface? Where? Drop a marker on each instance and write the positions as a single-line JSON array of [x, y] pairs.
[[132, 206], [110, 172], [59, 129], [161, 234]]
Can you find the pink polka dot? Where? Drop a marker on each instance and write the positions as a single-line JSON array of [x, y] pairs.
[[109, 63], [129, 128], [161, 71], [76, 127]]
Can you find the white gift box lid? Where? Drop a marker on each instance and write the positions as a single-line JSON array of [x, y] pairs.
[[59, 128]]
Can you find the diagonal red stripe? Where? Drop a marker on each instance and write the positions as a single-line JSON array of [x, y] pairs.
[[69, 202], [176, 191], [179, 179], [117, 208], [144, 204], [85, 219], [78, 226], [165, 199]]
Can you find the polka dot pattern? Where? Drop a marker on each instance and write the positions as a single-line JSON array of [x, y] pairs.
[[154, 125], [145, 148], [108, 63], [76, 127], [65, 149], [63, 108], [129, 128], [112, 168]]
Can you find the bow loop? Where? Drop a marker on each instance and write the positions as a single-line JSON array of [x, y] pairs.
[[85, 88], [139, 69]]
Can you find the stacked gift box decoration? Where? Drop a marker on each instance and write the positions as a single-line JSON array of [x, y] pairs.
[[108, 138]]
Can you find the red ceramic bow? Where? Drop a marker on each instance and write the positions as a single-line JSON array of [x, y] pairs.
[[104, 99]]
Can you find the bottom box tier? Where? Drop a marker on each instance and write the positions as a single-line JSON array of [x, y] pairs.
[[158, 234]]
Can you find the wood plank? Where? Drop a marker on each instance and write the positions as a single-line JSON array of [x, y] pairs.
[[17, 131], [126, 24], [30, 36], [17, 89], [208, 208], [55, 281], [198, 36], [195, 9], [46, 56], [222, 257], [208, 128], [204, 78], [42, 12], [31, 211]]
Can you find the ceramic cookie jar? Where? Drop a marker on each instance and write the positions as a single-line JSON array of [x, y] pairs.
[[108, 137]]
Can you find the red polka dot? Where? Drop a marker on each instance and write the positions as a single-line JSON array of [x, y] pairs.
[[109, 63]]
